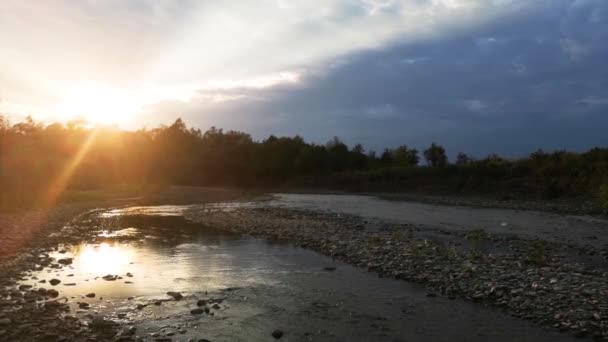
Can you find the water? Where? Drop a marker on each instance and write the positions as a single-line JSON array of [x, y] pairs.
[[260, 286], [579, 230]]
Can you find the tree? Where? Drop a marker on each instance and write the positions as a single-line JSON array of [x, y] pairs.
[[463, 159], [387, 156], [435, 156], [405, 155]]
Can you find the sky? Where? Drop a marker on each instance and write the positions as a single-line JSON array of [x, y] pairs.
[[478, 76]]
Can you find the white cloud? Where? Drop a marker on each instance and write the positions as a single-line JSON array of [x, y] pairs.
[[172, 48]]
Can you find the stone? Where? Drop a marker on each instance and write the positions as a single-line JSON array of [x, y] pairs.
[[90, 295], [197, 311], [65, 261], [54, 282], [277, 333], [175, 295], [201, 302], [109, 277]]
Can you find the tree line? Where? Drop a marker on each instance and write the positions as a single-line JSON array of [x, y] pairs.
[[34, 156]]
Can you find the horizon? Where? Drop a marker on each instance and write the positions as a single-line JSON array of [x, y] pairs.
[[505, 77]]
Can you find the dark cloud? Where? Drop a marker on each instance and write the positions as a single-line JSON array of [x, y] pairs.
[[533, 79]]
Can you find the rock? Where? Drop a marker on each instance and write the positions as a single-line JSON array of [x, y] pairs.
[[129, 274], [5, 322], [203, 340], [84, 306], [197, 311], [216, 307], [54, 282], [52, 293], [65, 261], [109, 277], [201, 302], [329, 268], [175, 295], [140, 306], [24, 287], [99, 322], [277, 334], [90, 295], [129, 331]]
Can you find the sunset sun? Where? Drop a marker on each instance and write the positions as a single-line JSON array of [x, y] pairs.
[[97, 103]]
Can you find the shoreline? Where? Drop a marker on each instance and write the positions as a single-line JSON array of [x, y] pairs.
[[571, 206], [532, 282]]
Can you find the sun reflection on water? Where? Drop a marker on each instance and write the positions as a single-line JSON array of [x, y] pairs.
[[105, 258]]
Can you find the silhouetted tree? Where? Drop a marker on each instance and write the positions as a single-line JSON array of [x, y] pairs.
[[463, 159], [34, 155], [406, 156], [435, 156], [387, 156]]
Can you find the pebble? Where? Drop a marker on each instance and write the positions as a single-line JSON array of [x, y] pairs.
[[277, 334], [197, 311], [175, 295], [54, 282]]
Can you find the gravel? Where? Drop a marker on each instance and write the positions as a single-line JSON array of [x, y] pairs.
[[530, 280]]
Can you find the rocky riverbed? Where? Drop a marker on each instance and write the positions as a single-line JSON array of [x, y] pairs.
[[530, 279], [45, 292]]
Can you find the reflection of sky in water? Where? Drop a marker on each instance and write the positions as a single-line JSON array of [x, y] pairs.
[[168, 258]]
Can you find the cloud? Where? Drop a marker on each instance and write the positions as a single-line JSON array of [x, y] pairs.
[[479, 76], [506, 86]]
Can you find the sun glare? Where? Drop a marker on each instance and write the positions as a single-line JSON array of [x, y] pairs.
[[105, 259], [97, 103]]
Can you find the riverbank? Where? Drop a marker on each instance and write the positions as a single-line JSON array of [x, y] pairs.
[[530, 279], [545, 282], [570, 206]]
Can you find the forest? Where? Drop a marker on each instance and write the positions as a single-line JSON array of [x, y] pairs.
[[38, 162]]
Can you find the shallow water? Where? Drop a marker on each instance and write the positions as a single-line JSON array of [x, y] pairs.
[[262, 286], [579, 230]]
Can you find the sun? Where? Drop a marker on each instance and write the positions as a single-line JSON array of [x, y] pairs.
[[97, 103]]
